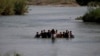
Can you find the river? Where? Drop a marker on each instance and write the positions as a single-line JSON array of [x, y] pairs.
[[17, 33]]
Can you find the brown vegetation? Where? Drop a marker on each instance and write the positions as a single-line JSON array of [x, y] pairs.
[[53, 2]]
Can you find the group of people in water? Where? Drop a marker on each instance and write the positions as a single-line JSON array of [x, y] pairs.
[[54, 34]]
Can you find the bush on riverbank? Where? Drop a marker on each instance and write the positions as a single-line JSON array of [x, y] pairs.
[[10, 7], [20, 7], [85, 2], [92, 16], [93, 13]]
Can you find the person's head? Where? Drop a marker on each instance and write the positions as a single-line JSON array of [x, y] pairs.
[[67, 31], [49, 31], [44, 30], [70, 31], [60, 32], [37, 32], [41, 31], [63, 32], [52, 29]]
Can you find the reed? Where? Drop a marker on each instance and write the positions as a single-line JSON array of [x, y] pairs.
[[20, 7], [11, 7]]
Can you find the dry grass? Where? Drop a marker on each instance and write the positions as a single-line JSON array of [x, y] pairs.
[[53, 2]]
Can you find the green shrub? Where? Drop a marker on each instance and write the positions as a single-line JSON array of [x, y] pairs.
[[20, 7], [10, 7], [2, 5], [92, 16]]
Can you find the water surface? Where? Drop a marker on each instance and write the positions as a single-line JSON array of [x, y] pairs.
[[17, 33]]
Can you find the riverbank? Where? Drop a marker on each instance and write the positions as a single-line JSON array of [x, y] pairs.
[[69, 3], [60, 5]]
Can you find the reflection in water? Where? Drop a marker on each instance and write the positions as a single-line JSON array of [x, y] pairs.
[[17, 33], [53, 40]]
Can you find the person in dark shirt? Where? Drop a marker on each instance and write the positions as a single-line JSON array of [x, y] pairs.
[[37, 35], [71, 35], [44, 34], [60, 35], [41, 34], [49, 34], [64, 34], [67, 34], [52, 31]]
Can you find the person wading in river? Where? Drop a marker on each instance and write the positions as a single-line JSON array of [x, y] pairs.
[[53, 35], [37, 35]]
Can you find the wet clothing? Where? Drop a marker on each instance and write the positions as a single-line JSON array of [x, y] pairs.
[[52, 31], [66, 35], [44, 35], [37, 36], [48, 34]]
